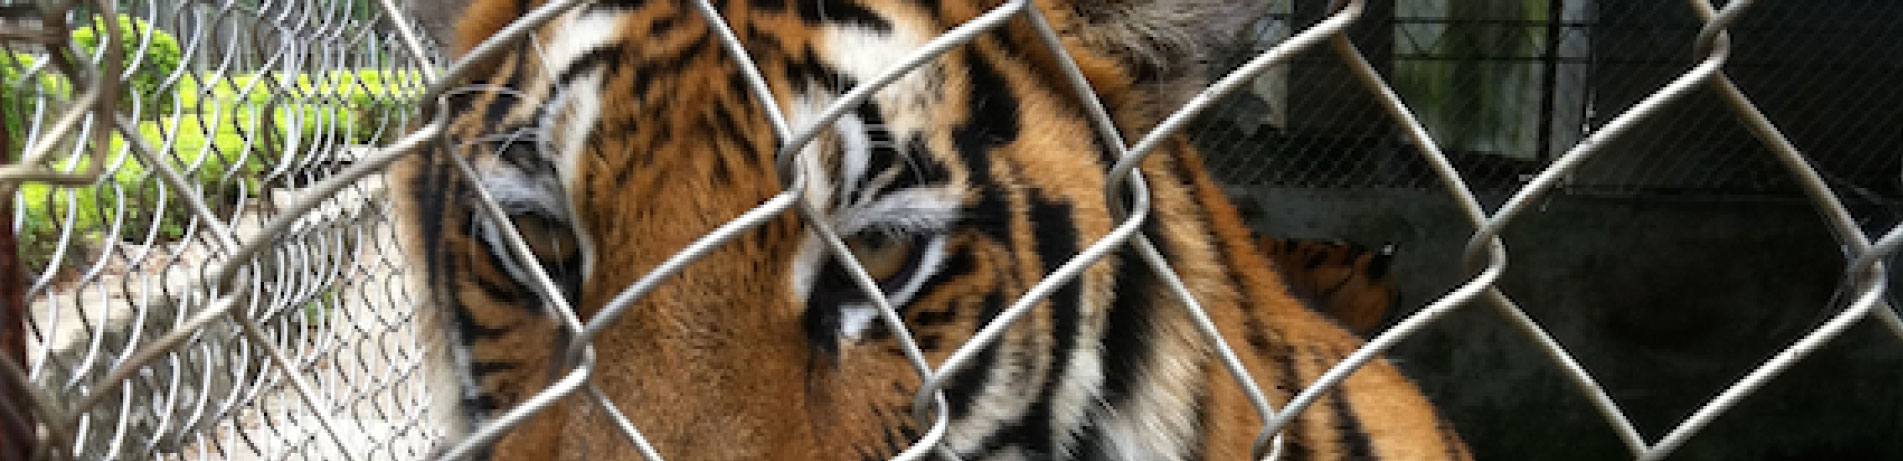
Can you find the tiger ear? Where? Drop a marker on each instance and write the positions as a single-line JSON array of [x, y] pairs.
[[1163, 41]]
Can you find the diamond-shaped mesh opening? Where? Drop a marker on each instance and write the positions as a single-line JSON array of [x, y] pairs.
[[196, 279]]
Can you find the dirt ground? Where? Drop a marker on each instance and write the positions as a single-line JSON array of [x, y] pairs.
[[333, 298]]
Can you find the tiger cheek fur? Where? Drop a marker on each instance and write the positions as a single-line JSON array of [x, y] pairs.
[[626, 132]]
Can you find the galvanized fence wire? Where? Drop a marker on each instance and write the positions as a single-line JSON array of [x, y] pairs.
[[1507, 86], [277, 327], [160, 138]]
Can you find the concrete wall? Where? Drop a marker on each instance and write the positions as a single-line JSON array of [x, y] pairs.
[[1665, 300]]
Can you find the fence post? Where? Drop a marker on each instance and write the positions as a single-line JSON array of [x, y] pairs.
[[16, 420]]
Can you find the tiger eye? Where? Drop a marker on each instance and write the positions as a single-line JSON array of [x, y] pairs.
[[547, 239], [882, 256]]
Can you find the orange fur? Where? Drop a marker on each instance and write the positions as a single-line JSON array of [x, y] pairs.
[[1348, 282], [716, 364]]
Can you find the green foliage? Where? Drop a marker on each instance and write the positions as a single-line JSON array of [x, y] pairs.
[[213, 158], [233, 131], [151, 56], [348, 106], [18, 97], [222, 132], [12, 99]]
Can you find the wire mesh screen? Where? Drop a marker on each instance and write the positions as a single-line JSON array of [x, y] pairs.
[[1508, 85], [246, 104], [209, 270]]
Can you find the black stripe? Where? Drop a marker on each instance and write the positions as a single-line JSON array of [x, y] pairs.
[[738, 84], [1006, 46], [499, 292], [920, 167], [481, 404], [668, 66], [462, 102], [499, 106], [1294, 437], [445, 269], [481, 368], [764, 45], [990, 215], [809, 68], [931, 7], [1056, 237], [433, 188], [594, 58], [842, 11], [643, 82], [1198, 429], [614, 5], [831, 289], [770, 6], [427, 199], [963, 386], [517, 69], [1129, 330], [956, 264], [1127, 344], [1352, 437], [663, 25], [991, 118], [725, 122]]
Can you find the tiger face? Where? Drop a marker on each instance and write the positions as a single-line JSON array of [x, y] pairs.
[[623, 132]]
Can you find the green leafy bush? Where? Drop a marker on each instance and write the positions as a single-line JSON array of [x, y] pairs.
[[13, 94], [18, 97], [228, 134], [376, 99], [152, 55], [214, 158]]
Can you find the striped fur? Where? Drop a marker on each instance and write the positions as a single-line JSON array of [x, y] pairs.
[[627, 132], [1348, 282]]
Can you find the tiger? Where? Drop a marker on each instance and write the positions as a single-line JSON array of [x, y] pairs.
[[621, 131], [1350, 283]]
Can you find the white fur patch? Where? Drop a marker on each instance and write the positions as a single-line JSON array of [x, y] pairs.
[[911, 211], [575, 109], [577, 33], [1159, 419], [855, 150], [863, 54]]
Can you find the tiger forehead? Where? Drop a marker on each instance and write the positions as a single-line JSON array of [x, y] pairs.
[[667, 74], [662, 55]]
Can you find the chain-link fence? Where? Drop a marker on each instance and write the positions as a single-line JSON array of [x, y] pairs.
[[198, 280], [224, 113], [1506, 86]]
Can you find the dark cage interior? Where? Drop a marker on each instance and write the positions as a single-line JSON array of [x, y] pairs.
[[1671, 263]]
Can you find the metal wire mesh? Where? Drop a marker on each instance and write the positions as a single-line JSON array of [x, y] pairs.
[[210, 272], [1506, 86], [244, 105]]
